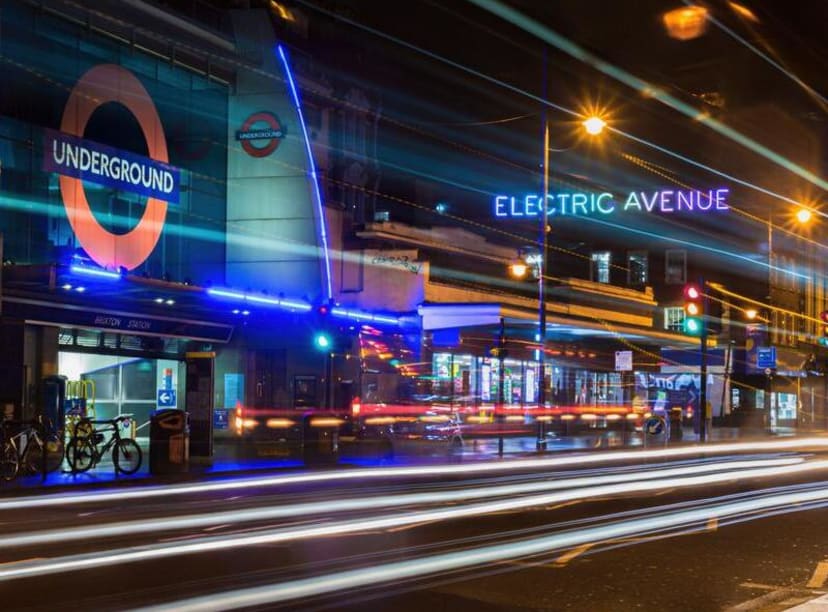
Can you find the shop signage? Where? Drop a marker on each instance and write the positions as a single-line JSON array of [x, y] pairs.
[[601, 204], [122, 322], [75, 159], [397, 261], [263, 127], [623, 361]]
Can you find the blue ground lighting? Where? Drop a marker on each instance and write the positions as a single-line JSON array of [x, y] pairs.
[[96, 272]]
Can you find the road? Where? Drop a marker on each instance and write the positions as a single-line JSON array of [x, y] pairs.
[[663, 529]]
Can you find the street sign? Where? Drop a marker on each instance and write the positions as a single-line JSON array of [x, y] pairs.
[[166, 398], [766, 357], [623, 361], [654, 425]]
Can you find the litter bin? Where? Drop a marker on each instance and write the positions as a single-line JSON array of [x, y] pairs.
[[675, 424], [320, 439], [169, 446]]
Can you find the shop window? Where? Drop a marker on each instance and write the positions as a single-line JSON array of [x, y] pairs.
[[601, 267], [637, 268], [675, 267], [674, 318]]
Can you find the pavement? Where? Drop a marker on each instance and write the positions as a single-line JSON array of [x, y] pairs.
[[232, 456]]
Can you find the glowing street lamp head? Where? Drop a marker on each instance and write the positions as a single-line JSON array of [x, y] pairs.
[[686, 22], [518, 269], [803, 215], [594, 125], [751, 314]]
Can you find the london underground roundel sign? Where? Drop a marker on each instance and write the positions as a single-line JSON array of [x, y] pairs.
[[98, 86], [264, 127]]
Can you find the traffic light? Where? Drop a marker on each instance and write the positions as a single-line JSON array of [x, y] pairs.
[[693, 310], [823, 339], [322, 341], [328, 334], [323, 337]]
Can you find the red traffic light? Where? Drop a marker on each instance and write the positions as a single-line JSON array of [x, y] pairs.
[[691, 292], [824, 316]]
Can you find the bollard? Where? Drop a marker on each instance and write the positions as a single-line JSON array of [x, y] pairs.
[[500, 446]]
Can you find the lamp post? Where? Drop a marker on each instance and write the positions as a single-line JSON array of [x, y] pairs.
[[803, 216], [594, 126]]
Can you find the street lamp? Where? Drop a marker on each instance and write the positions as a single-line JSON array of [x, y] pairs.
[[803, 216], [594, 126]]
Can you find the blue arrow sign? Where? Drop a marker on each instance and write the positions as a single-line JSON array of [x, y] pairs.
[[766, 357], [654, 426], [166, 398]]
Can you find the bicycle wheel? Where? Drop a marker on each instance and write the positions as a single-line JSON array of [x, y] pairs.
[[126, 456], [35, 456], [80, 454], [9, 464]]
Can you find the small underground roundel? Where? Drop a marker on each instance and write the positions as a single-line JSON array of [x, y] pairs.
[[261, 134]]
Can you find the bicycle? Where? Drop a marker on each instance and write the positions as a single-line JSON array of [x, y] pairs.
[[83, 451], [27, 448]]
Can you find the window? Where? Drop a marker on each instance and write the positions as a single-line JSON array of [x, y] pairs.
[[637, 268], [601, 267], [675, 267], [674, 318]]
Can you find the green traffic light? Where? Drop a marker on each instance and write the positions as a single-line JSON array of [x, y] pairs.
[[823, 341], [692, 326], [322, 341]]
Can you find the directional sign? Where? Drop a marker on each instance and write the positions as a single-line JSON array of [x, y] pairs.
[[166, 398], [654, 425], [766, 357]]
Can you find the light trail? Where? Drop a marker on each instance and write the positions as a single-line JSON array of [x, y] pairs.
[[194, 521], [565, 45], [412, 472], [531, 96], [465, 559], [29, 569]]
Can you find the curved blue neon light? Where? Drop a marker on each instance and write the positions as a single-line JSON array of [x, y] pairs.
[[323, 230]]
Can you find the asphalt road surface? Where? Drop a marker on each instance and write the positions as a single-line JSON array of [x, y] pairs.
[[617, 530]]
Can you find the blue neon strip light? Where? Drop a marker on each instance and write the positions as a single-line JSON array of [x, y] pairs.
[[95, 272], [323, 232], [364, 316], [258, 299]]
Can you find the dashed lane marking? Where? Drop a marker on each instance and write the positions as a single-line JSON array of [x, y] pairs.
[[820, 576]]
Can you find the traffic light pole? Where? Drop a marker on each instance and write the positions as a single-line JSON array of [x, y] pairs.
[[703, 364], [541, 440]]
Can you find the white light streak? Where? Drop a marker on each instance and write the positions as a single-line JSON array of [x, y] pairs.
[[195, 521], [26, 569], [555, 462], [407, 570]]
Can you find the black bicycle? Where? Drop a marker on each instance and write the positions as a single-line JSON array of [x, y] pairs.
[[89, 446]]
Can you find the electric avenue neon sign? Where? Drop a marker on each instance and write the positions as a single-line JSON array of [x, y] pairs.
[[590, 203]]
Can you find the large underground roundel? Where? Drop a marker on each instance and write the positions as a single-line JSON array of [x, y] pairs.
[[98, 86]]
